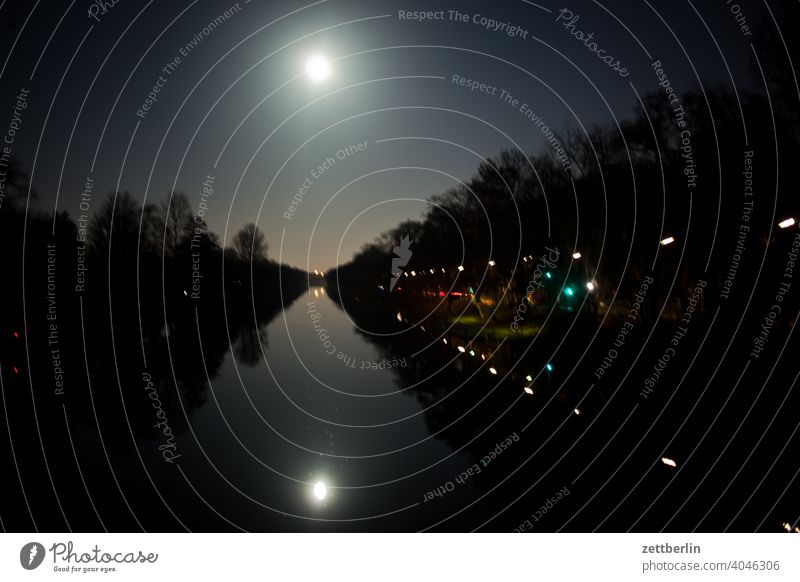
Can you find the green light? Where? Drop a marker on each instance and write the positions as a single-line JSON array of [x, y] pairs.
[[471, 291], [569, 292], [549, 367], [548, 274]]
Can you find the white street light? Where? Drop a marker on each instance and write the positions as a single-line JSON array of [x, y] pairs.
[[528, 390], [666, 241], [668, 462], [461, 268], [590, 286], [576, 256], [787, 223], [492, 263]]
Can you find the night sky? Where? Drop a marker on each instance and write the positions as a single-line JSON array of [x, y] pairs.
[[238, 105]]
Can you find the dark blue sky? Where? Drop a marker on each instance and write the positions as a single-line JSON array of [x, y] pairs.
[[238, 105]]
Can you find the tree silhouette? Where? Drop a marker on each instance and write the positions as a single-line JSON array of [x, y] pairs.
[[16, 186], [250, 244], [174, 223], [115, 228]]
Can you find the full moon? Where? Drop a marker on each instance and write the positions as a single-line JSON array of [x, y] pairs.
[[318, 69], [320, 490]]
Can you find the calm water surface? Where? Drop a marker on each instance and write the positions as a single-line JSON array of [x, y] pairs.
[[315, 409]]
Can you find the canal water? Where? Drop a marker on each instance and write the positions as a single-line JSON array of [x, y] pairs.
[[322, 404]]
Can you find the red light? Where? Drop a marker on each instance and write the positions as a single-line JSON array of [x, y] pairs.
[[16, 370], [441, 293], [16, 334]]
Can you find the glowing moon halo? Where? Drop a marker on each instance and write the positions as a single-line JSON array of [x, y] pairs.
[[318, 68], [320, 490]]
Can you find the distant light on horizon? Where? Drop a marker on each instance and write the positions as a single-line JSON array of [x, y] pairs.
[[669, 462], [667, 241], [462, 349], [576, 256], [528, 390], [787, 223], [493, 371], [460, 268], [492, 263]]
